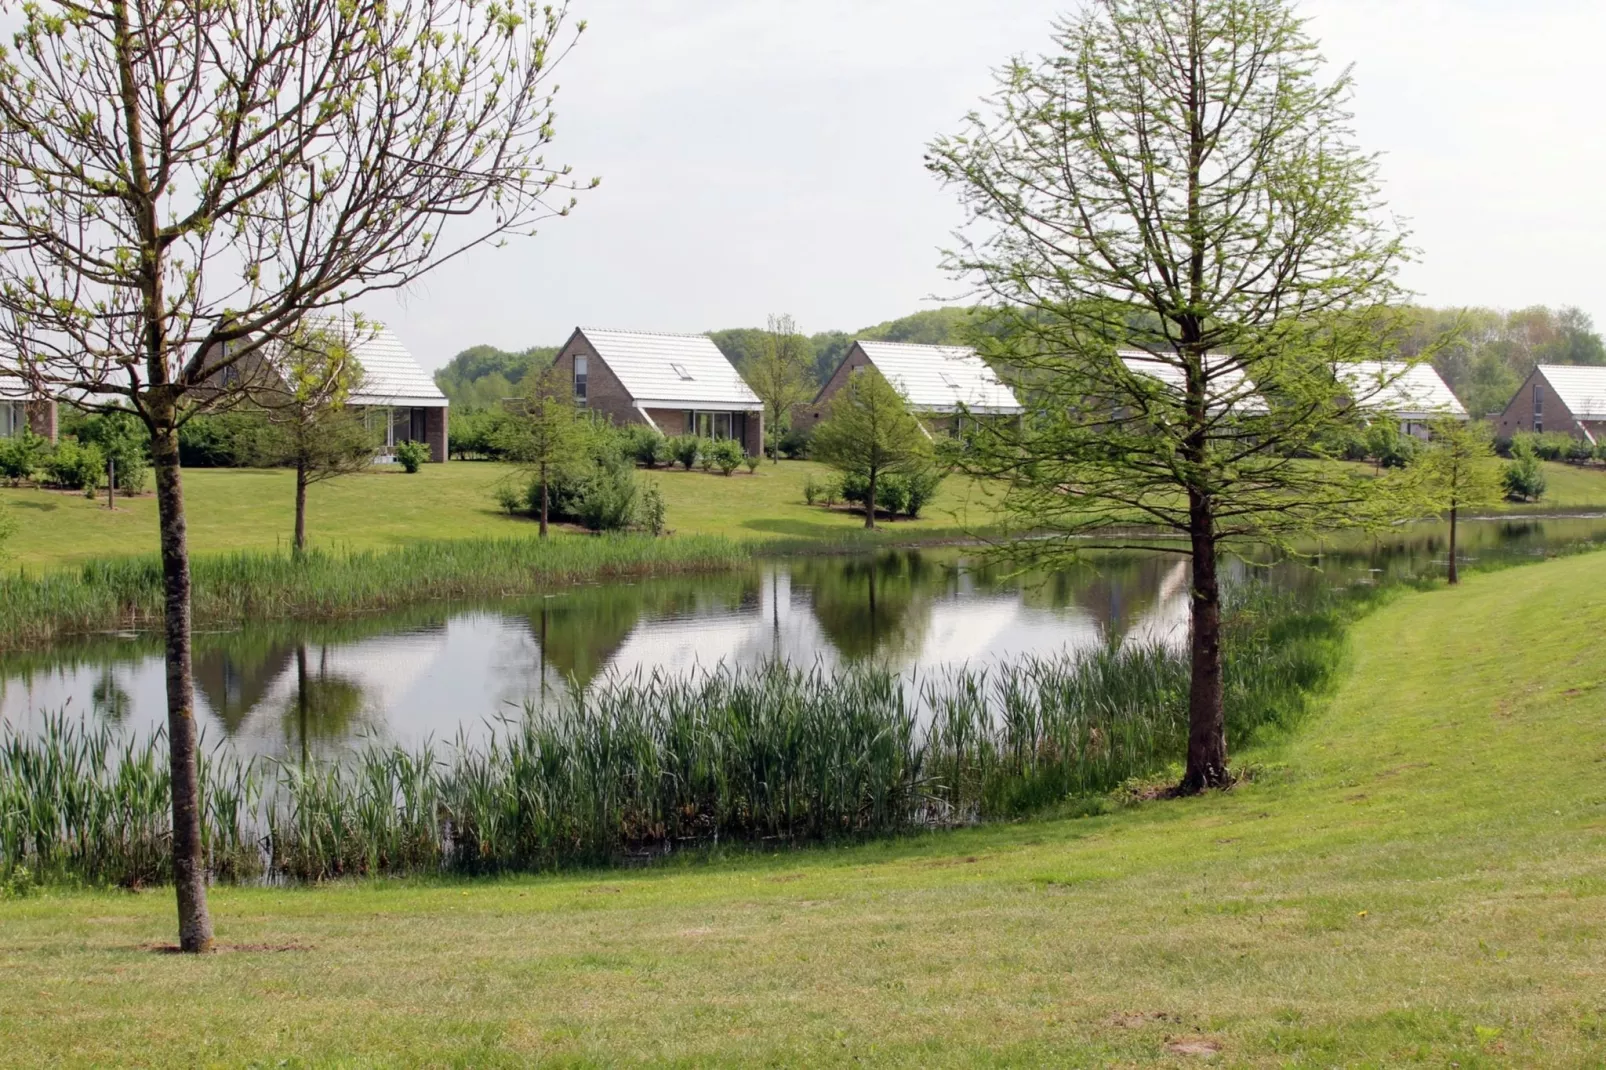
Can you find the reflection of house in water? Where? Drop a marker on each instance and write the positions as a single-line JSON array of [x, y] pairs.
[[235, 678]]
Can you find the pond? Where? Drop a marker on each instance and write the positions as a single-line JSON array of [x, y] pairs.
[[438, 671]]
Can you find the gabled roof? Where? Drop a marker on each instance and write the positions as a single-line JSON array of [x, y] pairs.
[[15, 389], [1393, 387], [1227, 384], [672, 370], [940, 378], [1582, 388], [390, 375]]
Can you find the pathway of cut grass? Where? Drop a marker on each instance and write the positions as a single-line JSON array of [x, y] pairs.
[[1418, 876]]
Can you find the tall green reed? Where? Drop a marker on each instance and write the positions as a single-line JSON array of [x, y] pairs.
[[647, 764], [127, 592]]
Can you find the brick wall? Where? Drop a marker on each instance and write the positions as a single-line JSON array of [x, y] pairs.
[[435, 425], [605, 394], [41, 418], [804, 417], [1518, 415]]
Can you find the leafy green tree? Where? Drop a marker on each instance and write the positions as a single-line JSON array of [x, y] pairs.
[[186, 183], [547, 433], [312, 429], [1175, 179], [779, 374], [869, 432], [1524, 477], [1458, 471]]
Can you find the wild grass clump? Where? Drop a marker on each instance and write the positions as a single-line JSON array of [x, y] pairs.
[[644, 765], [127, 593]]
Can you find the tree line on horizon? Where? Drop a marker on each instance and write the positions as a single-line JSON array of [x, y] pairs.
[[1488, 355]]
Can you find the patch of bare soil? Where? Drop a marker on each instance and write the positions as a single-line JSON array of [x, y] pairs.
[[1201, 1046]]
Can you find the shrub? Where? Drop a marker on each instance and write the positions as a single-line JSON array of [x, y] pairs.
[[121, 437], [411, 455], [813, 490], [923, 486], [752, 463], [831, 492], [75, 466], [794, 444], [478, 432], [508, 498], [726, 455], [609, 500], [1388, 447], [683, 450], [22, 456], [653, 516], [1579, 451], [223, 440], [642, 445], [892, 494], [1523, 478], [855, 488]]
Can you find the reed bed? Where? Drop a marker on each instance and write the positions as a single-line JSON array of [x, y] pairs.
[[641, 766], [126, 593]]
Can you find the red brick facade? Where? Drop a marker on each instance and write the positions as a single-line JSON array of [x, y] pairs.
[[1552, 414]]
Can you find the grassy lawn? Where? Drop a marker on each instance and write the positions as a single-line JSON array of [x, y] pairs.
[[244, 509], [1415, 877]]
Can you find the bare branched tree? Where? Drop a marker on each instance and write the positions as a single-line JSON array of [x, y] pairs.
[[182, 182], [1182, 249]]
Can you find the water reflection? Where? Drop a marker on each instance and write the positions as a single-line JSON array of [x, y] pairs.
[[295, 690]]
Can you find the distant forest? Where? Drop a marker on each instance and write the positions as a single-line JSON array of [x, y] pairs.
[[1490, 355]]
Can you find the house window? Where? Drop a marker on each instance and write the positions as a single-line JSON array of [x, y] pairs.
[[580, 380], [13, 418], [1539, 408], [680, 370]]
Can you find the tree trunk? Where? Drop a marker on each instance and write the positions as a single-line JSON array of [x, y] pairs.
[[189, 862], [301, 508], [1454, 578], [869, 502], [1207, 720], [544, 499]]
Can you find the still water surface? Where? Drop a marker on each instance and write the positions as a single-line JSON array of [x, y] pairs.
[[436, 671]]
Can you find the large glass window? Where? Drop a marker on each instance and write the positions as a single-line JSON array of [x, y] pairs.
[[13, 418], [580, 371]]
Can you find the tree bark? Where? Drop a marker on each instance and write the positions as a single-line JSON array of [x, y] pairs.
[[1207, 720], [544, 499], [301, 508], [189, 861], [1454, 578], [869, 501]]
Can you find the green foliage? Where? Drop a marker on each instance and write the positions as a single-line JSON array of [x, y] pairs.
[[22, 455], [1387, 446], [75, 466], [868, 432], [412, 455], [813, 490], [923, 486], [482, 377], [794, 444], [652, 516], [643, 445], [1524, 479], [126, 592], [123, 438], [1458, 468], [509, 499], [481, 433], [224, 440], [8, 527], [684, 450], [726, 454]]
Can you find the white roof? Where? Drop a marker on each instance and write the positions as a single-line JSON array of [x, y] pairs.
[[390, 375], [672, 370], [1579, 387], [1398, 389], [940, 378], [14, 389], [1227, 385]]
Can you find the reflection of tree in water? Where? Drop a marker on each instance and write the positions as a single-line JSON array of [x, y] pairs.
[[580, 631], [109, 700], [866, 605], [325, 706]]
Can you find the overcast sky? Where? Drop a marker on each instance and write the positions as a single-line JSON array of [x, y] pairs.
[[763, 157]]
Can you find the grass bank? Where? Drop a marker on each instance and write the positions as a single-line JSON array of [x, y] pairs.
[[641, 766], [1414, 877], [234, 510], [125, 592]]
